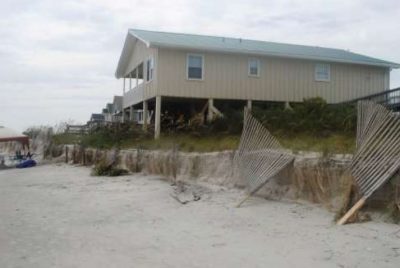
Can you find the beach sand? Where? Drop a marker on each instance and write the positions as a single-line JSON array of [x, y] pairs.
[[60, 216]]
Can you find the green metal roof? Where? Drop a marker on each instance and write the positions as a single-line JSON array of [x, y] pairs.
[[236, 45]]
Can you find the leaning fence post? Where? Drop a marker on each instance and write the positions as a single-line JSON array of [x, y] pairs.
[[73, 155], [84, 156], [66, 154]]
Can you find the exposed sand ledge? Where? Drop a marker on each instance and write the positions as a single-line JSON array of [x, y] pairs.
[[313, 178]]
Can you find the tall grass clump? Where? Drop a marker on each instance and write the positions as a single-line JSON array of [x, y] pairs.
[[313, 116], [106, 137]]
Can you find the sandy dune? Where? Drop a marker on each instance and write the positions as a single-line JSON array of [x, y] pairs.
[[59, 216]]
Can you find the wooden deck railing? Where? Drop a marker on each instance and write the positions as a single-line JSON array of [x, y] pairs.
[[388, 98]]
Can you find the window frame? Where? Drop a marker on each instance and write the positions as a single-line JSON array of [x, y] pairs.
[[319, 79], [140, 116], [150, 71], [258, 67], [187, 66]]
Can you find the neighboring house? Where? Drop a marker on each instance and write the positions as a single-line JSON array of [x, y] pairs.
[[7, 135], [117, 109], [108, 113], [113, 111], [160, 69], [96, 120]]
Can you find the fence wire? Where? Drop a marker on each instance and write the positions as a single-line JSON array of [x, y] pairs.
[[259, 156], [377, 157]]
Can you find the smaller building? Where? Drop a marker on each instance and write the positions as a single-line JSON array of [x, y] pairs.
[[96, 120], [113, 111], [108, 112], [7, 135], [117, 109]]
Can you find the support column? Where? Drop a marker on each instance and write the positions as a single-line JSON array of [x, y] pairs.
[[123, 98], [123, 115], [209, 110], [157, 126], [287, 106], [130, 113], [124, 87], [249, 105], [145, 115], [137, 76]]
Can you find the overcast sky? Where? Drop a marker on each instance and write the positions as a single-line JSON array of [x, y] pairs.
[[58, 58]]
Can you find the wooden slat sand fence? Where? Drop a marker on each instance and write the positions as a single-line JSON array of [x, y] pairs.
[[260, 156], [377, 157]]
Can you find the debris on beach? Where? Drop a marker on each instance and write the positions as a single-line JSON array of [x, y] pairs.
[[185, 193]]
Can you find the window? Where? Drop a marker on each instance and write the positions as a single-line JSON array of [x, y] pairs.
[[195, 66], [322, 72], [149, 69], [254, 67], [140, 116]]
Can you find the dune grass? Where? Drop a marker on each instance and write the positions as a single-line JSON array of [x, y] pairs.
[[186, 143], [335, 143]]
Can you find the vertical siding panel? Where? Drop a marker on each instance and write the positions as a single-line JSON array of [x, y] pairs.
[[288, 78], [328, 92], [308, 84], [344, 90], [277, 81], [271, 81], [265, 79], [333, 84], [237, 73], [279, 91], [266, 75], [210, 67], [339, 80], [302, 80], [357, 81]]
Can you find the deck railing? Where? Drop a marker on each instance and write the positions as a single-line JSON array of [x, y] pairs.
[[133, 96], [389, 98]]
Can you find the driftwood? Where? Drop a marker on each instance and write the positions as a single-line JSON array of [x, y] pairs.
[[377, 157], [185, 193], [260, 156]]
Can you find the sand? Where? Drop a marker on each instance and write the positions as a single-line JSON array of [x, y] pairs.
[[60, 216]]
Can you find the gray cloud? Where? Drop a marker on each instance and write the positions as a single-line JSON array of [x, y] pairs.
[[58, 57]]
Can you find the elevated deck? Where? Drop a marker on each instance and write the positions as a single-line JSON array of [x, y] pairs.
[[133, 96]]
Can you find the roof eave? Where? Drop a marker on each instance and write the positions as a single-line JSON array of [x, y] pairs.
[[118, 73], [121, 64], [121, 58], [132, 32], [293, 56]]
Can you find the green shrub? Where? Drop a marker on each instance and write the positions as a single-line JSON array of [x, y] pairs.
[[105, 137], [103, 169], [313, 116], [230, 123]]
